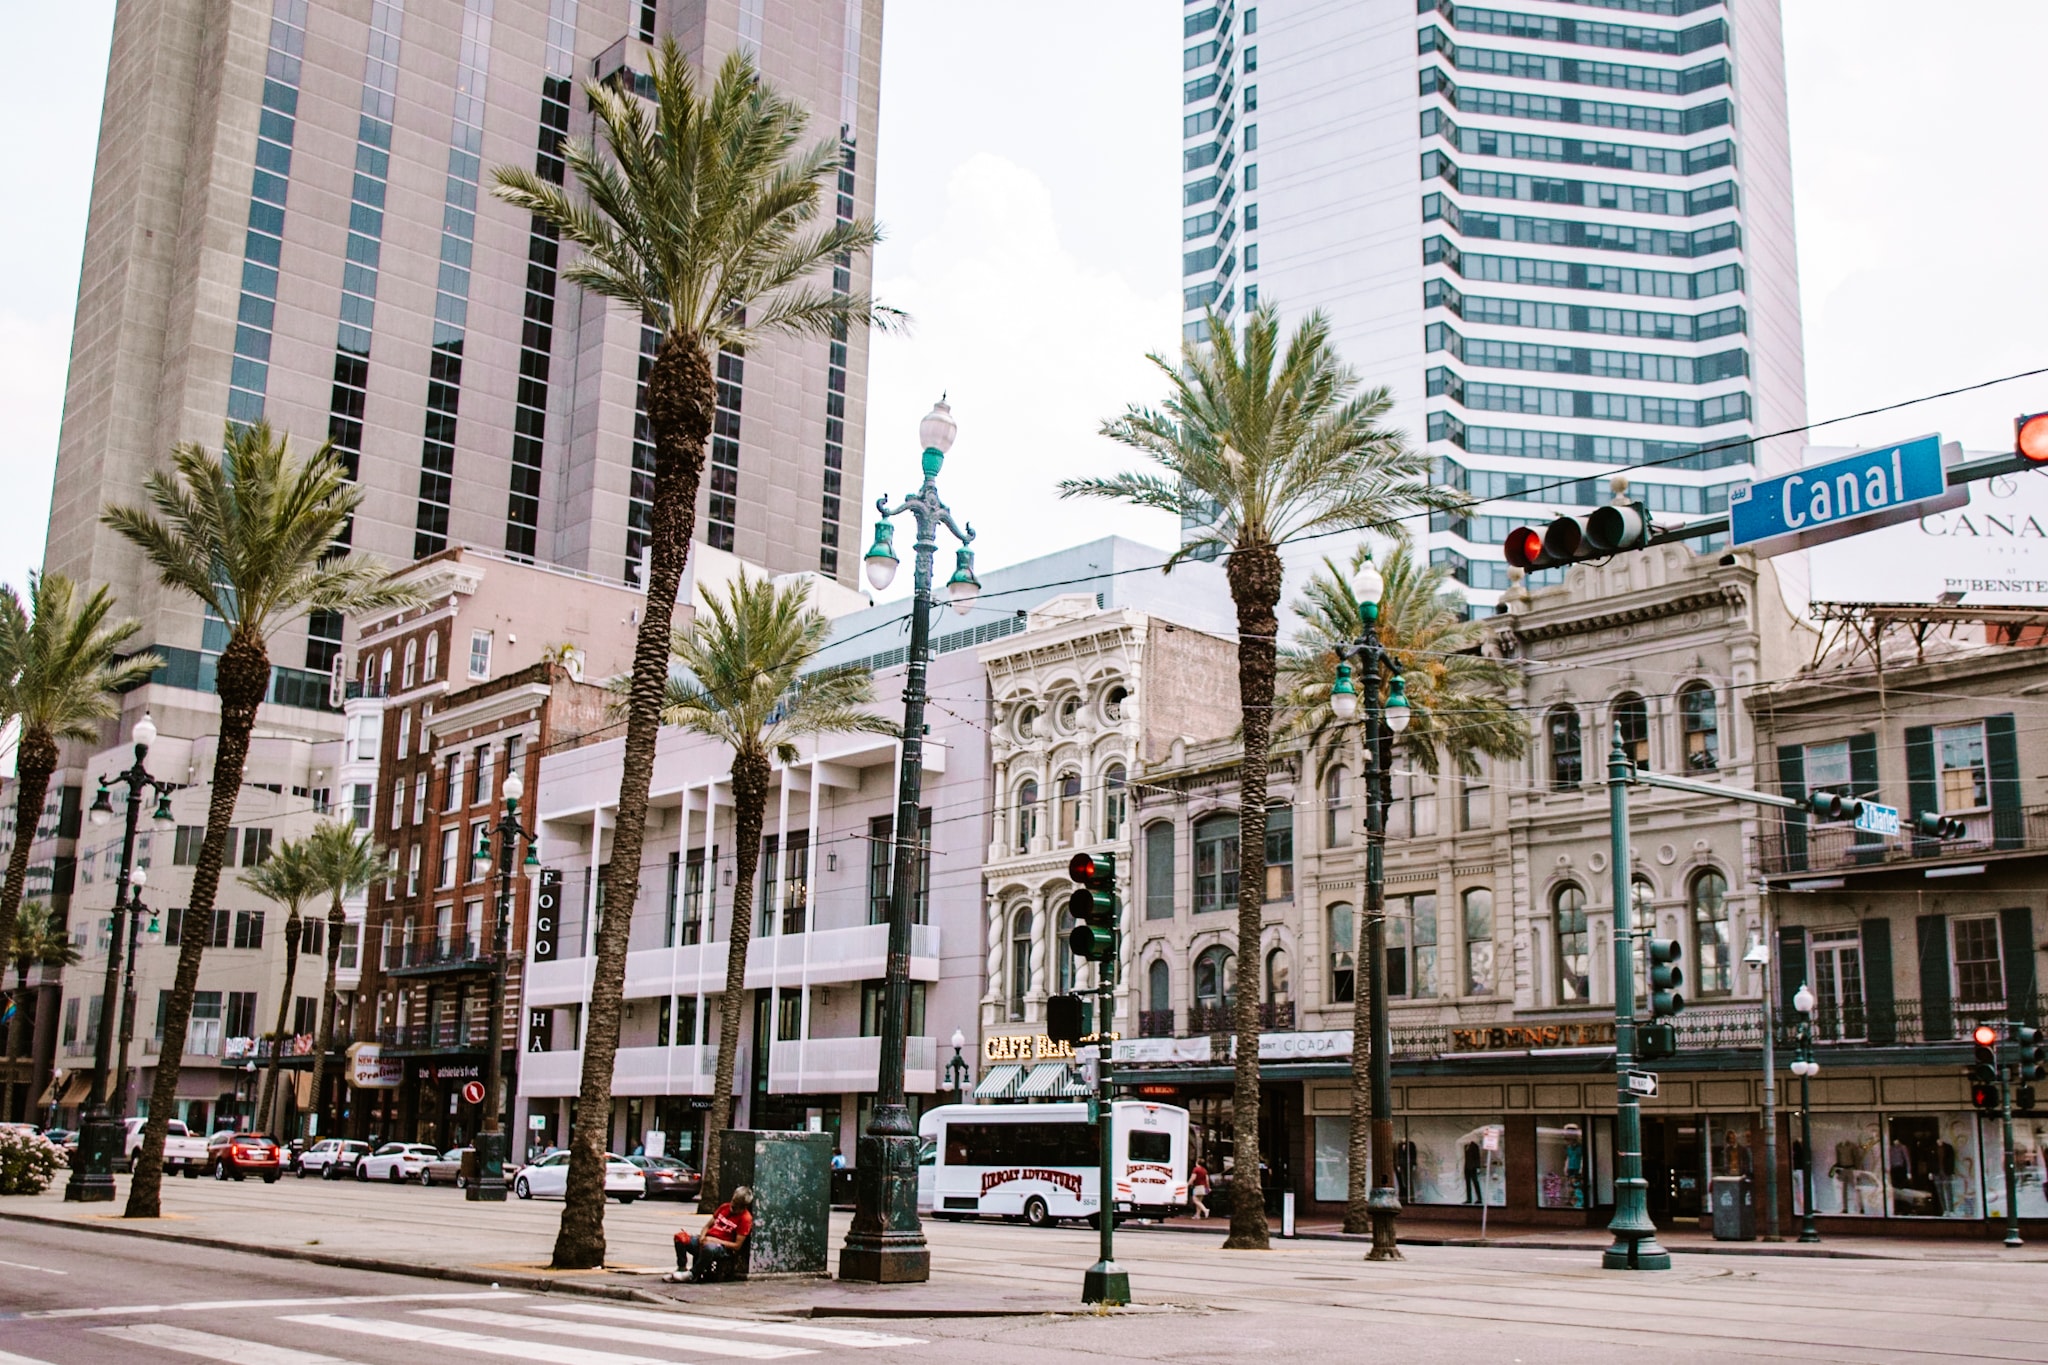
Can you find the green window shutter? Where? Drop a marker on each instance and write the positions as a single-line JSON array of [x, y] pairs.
[[1878, 994], [1863, 783], [1792, 783], [1921, 793], [2002, 755], [1937, 1003], [2016, 937], [1791, 966]]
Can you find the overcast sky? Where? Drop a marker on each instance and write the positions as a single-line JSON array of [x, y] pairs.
[[1028, 186]]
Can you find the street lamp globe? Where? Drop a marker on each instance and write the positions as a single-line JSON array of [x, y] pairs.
[[145, 731], [138, 876], [959, 1040], [1802, 999], [963, 587], [1343, 695], [937, 428], [1397, 705], [515, 787], [881, 557], [1369, 586]]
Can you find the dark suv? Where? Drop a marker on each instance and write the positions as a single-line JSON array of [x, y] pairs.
[[239, 1155]]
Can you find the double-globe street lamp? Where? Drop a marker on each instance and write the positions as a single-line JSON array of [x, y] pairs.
[[99, 1137], [1383, 720], [886, 1243], [489, 1183], [1805, 1068]]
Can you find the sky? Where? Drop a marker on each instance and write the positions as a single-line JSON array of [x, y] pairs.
[[1028, 188]]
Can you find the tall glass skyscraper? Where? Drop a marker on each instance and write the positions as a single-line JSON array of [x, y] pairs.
[[1560, 231]]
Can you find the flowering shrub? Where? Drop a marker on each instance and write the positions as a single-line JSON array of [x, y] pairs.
[[28, 1161]]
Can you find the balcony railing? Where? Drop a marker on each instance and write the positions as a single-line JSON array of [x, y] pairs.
[[433, 951], [1844, 848], [1155, 1023], [447, 1035], [1220, 1019]]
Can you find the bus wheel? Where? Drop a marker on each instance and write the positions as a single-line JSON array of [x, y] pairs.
[[1036, 1213]]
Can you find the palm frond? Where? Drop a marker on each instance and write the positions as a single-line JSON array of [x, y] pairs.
[[61, 665]]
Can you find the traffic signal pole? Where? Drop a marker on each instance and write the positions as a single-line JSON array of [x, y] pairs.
[[1106, 1282], [1635, 1236], [2012, 1184]]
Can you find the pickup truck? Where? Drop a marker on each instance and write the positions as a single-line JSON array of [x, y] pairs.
[[183, 1152]]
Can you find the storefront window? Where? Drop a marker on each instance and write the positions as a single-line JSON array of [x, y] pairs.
[[1333, 1158], [1933, 1168], [2029, 1143], [1448, 1163], [1848, 1167], [1564, 1163]]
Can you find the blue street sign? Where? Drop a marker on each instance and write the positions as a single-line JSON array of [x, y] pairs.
[[1877, 819], [1857, 493]]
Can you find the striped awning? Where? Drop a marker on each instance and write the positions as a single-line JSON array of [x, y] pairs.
[[1050, 1080], [997, 1083]]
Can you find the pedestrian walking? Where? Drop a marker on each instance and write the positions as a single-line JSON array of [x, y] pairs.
[[1198, 1189]]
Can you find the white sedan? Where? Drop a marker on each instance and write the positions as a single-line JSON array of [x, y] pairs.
[[548, 1178], [396, 1161]]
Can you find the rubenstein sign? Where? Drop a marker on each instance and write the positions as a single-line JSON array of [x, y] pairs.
[[1991, 552]]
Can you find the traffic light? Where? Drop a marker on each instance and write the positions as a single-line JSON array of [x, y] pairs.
[[1931, 826], [1665, 977], [1984, 1067], [1093, 906], [1834, 806], [1067, 1018], [2030, 437], [1654, 1041], [1571, 540], [1986, 1097], [2031, 1061]]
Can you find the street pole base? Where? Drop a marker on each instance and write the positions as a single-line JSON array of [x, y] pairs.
[[92, 1172], [886, 1243], [1383, 1206], [890, 1258], [1105, 1282], [2012, 1239], [1640, 1253], [489, 1185], [1808, 1235]]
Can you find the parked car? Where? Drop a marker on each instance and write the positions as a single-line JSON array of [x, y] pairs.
[[332, 1158], [396, 1161], [548, 1178], [231, 1155], [184, 1150], [445, 1169], [668, 1178]]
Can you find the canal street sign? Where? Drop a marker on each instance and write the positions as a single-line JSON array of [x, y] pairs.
[[1877, 819], [1861, 492]]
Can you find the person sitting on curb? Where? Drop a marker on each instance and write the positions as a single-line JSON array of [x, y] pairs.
[[714, 1248]]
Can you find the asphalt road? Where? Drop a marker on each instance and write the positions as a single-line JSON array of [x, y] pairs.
[[79, 1295]]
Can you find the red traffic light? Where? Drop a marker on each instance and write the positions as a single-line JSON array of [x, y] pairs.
[[1985, 1035], [1081, 867], [2031, 437], [1524, 547]]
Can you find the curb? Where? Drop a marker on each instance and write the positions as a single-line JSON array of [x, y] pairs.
[[540, 1284], [1784, 1250]]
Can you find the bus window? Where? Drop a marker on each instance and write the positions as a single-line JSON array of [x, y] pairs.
[[1152, 1147], [927, 1151], [1032, 1144]]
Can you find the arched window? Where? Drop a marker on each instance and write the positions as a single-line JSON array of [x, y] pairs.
[[1159, 870], [1709, 898], [1566, 771], [1070, 807], [1336, 814], [1568, 908], [1027, 721], [368, 671], [1113, 704], [1478, 905], [1027, 813], [384, 673], [1279, 981], [1343, 931], [1642, 916], [433, 655], [412, 657], [1158, 986], [1702, 727], [1216, 863], [1020, 962], [1063, 957], [1632, 718], [1115, 802], [1070, 712], [1215, 989]]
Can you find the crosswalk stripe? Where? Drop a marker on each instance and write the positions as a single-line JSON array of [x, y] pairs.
[[793, 1331], [422, 1334], [631, 1336], [218, 1305], [188, 1342]]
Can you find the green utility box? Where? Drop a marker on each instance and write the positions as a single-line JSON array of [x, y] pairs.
[[791, 1176]]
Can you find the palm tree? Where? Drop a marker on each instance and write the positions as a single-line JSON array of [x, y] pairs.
[[1256, 449], [39, 941], [341, 862], [249, 532], [701, 216], [60, 671], [285, 880], [1457, 708], [743, 687]]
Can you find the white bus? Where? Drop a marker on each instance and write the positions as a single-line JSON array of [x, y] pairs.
[[1039, 1162]]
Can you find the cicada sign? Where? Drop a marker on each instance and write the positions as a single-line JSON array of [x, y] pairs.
[[1882, 486]]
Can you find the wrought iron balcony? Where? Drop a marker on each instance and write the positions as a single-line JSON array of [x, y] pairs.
[[1835, 847], [1155, 1023]]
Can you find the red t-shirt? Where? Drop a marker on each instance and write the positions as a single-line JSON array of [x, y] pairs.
[[726, 1226]]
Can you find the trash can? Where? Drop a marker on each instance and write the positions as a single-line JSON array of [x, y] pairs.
[[791, 1176], [1734, 1209]]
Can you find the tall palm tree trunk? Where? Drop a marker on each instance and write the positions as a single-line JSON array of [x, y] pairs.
[[292, 930], [35, 760], [1255, 576], [749, 804], [681, 393], [242, 681], [336, 922]]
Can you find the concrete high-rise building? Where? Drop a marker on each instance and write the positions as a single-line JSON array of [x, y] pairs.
[[1560, 231], [292, 220]]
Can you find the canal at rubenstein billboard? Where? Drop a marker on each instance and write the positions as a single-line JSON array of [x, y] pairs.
[[1993, 551]]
